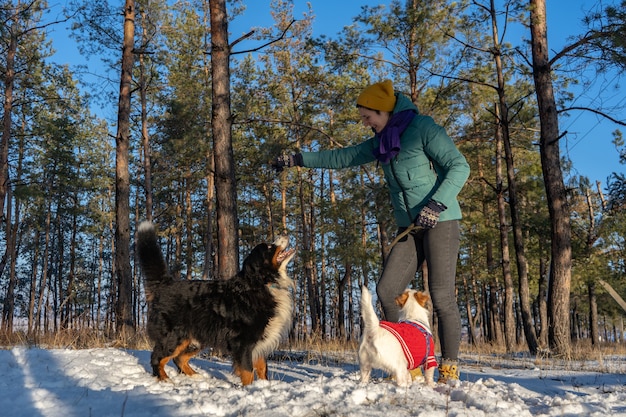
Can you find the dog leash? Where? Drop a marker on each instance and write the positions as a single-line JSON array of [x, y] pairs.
[[411, 228]]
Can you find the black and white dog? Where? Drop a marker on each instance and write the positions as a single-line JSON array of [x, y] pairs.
[[247, 315]]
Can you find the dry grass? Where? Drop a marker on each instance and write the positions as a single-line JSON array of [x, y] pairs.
[[316, 349], [73, 339], [582, 356], [580, 350]]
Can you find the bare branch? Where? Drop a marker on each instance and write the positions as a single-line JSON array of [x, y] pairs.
[[582, 41], [596, 111], [462, 79], [247, 35]]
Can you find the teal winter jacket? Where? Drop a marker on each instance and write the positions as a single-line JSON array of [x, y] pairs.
[[429, 166]]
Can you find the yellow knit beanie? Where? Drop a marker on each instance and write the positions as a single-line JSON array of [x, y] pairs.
[[378, 96]]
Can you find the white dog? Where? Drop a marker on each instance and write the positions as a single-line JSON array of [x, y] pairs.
[[398, 347]]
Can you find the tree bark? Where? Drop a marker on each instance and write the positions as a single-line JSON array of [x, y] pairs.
[[542, 303], [9, 79], [145, 135], [509, 317], [518, 241], [308, 242], [210, 261], [124, 309], [593, 314], [226, 203], [560, 228], [8, 308]]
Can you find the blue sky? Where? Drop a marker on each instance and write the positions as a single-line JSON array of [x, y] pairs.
[[588, 141]]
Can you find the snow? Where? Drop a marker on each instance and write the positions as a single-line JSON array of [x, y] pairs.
[[115, 382]]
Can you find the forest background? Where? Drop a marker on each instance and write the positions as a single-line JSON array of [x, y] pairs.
[[290, 90]]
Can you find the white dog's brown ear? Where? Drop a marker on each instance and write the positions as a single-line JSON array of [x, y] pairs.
[[422, 298], [401, 299]]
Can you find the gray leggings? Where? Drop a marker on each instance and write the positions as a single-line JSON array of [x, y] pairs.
[[440, 248]]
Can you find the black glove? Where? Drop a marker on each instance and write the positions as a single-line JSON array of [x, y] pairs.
[[287, 161], [429, 216]]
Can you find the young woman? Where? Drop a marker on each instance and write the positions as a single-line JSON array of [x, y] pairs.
[[424, 172]]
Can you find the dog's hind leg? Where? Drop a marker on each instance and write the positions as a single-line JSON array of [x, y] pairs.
[[160, 358], [365, 366], [246, 375], [188, 349], [403, 377], [158, 361], [243, 366], [260, 366]]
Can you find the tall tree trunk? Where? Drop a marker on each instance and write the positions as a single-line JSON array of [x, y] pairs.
[[209, 261], [591, 285], [9, 79], [189, 258], [59, 296], [518, 241], [8, 308], [44, 269], [468, 307], [509, 317], [486, 319], [71, 276], [560, 228], [226, 202], [308, 228], [494, 313], [112, 294], [145, 136], [98, 298], [124, 309], [593, 314], [13, 221], [210, 255], [542, 302], [341, 302], [32, 296]]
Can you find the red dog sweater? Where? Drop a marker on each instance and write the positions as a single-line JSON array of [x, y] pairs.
[[417, 343]]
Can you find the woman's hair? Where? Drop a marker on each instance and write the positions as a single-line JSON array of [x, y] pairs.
[[364, 107]]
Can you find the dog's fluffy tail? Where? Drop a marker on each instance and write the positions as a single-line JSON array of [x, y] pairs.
[[150, 257], [370, 319]]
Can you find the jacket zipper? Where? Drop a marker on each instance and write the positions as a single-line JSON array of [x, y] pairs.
[[404, 197]]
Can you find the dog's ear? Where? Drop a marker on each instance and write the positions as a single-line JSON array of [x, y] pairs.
[[401, 299], [258, 258], [258, 265], [422, 298]]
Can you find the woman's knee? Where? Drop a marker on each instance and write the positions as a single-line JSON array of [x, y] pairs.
[[385, 292], [444, 300]]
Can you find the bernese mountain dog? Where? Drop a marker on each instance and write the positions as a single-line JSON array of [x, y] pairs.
[[245, 316]]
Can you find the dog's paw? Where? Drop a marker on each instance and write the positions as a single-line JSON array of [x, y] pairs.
[[404, 381], [404, 384], [165, 380], [364, 379]]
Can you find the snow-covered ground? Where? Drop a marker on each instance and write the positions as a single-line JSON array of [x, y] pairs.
[[115, 382]]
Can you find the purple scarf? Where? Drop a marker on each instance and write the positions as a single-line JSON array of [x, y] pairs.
[[389, 137]]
